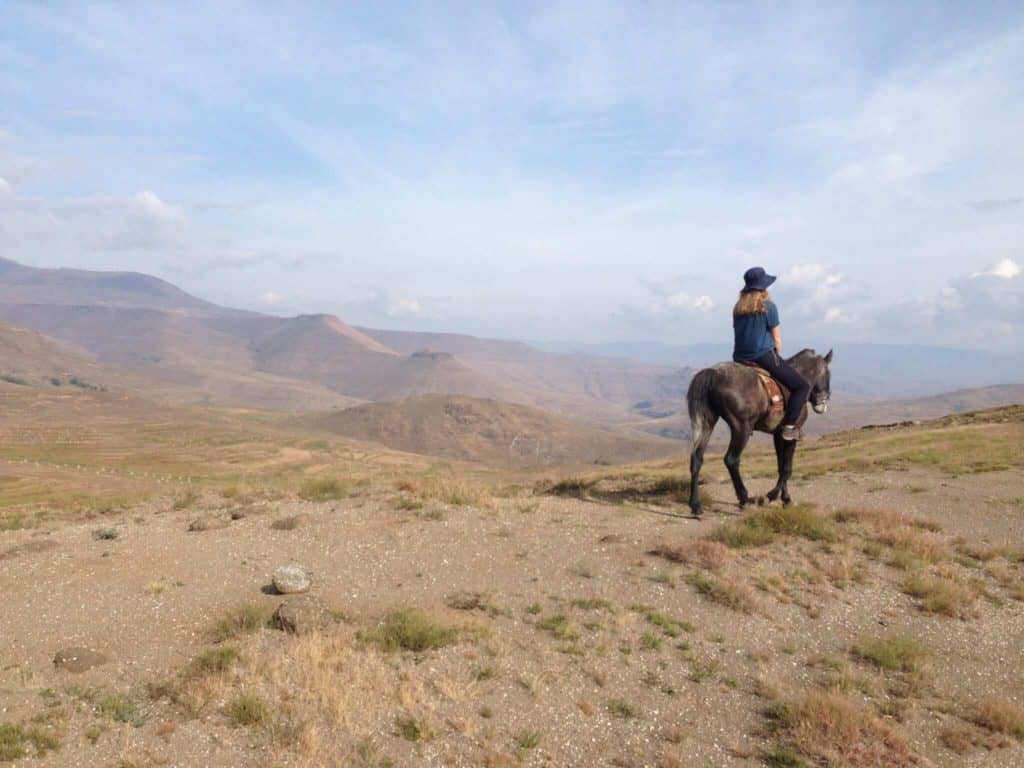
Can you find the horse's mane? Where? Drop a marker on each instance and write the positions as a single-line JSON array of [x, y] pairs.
[[806, 352]]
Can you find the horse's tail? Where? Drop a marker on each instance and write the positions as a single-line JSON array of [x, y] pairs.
[[702, 415]]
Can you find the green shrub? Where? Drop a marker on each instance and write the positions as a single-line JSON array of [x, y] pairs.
[[409, 630], [248, 709], [323, 490]]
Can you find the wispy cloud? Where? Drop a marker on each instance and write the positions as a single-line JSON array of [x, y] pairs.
[[534, 166]]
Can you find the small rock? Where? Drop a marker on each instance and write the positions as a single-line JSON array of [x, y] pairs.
[[238, 513], [466, 601], [291, 579], [208, 523], [302, 614], [291, 523], [78, 660]]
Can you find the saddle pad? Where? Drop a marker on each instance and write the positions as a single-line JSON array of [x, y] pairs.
[[775, 391]]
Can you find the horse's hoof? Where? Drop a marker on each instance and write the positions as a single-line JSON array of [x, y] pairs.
[[772, 495], [786, 501], [759, 501], [697, 512]]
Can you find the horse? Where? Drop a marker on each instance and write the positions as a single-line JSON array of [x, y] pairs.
[[733, 392]]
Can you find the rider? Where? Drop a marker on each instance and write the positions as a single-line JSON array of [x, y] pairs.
[[755, 322]]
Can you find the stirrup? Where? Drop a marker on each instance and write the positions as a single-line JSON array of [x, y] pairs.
[[791, 433]]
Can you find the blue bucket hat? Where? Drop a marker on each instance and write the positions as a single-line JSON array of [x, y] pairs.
[[756, 279]]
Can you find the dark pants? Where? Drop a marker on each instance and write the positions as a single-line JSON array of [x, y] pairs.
[[788, 376]]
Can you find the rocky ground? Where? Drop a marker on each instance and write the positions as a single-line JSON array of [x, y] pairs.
[[879, 625]]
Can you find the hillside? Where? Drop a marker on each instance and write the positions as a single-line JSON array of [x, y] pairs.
[[669, 419], [464, 615], [21, 284], [28, 358], [486, 430], [197, 351]]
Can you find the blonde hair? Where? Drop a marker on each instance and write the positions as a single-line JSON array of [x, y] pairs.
[[751, 303]]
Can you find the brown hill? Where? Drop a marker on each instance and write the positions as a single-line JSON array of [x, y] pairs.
[[487, 431], [195, 350], [20, 284], [28, 358], [173, 356], [583, 386]]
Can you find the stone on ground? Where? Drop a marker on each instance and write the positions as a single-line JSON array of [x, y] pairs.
[[291, 579], [209, 523], [301, 614], [78, 660]]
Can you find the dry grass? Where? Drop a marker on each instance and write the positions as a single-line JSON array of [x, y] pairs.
[[940, 595], [244, 620], [830, 728], [893, 653], [1000, 715], [323, 489], [761, 527], [701, 553], [727, 592], [408, 630], [456, 490], [20, 740]]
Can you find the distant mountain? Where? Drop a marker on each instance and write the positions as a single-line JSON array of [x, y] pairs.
[[584, 386], [846, 413], [20, 284], [28, 358], [193, 349], [486, 431], [876, 371]]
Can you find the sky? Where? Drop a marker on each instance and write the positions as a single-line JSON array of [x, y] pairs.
[[585, 171]]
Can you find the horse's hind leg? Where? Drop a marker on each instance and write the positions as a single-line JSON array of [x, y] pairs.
[[700, 443], [737, 442]]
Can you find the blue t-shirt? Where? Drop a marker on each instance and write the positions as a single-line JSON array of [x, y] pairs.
[[753, 333]]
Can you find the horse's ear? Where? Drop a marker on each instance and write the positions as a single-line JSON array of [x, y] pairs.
[[828, 357]]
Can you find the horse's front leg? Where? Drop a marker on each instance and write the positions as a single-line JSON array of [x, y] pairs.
[[788, 450], [780, 462], [737, 442]]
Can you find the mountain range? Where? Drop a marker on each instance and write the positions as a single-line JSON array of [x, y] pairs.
[[141, 334]]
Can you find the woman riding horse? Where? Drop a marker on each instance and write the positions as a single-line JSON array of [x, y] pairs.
[[733, 392], [755, 323]]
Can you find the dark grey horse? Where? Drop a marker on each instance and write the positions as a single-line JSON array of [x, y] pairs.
[[733, 392]]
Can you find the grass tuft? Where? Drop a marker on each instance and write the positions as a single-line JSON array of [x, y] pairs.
[[409, 630], [245, 620], [894, 653], [1000, 715], [248, 709], [938, 595], [728, 593], [323, 490], [828, 728]]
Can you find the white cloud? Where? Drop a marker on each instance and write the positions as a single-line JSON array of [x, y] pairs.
[[5, 187], [837, 315], [1004, 268], [684, 301], [271, 297], [154, 206], [401, 306]]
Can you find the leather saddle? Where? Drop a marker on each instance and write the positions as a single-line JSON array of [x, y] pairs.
[[777, 394]]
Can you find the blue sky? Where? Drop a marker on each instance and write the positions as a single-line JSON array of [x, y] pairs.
[[580, 170]]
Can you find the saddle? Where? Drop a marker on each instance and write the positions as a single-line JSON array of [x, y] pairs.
[[777, 394]]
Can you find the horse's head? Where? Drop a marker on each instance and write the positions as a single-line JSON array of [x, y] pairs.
[[814, 368], [821, 384]]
